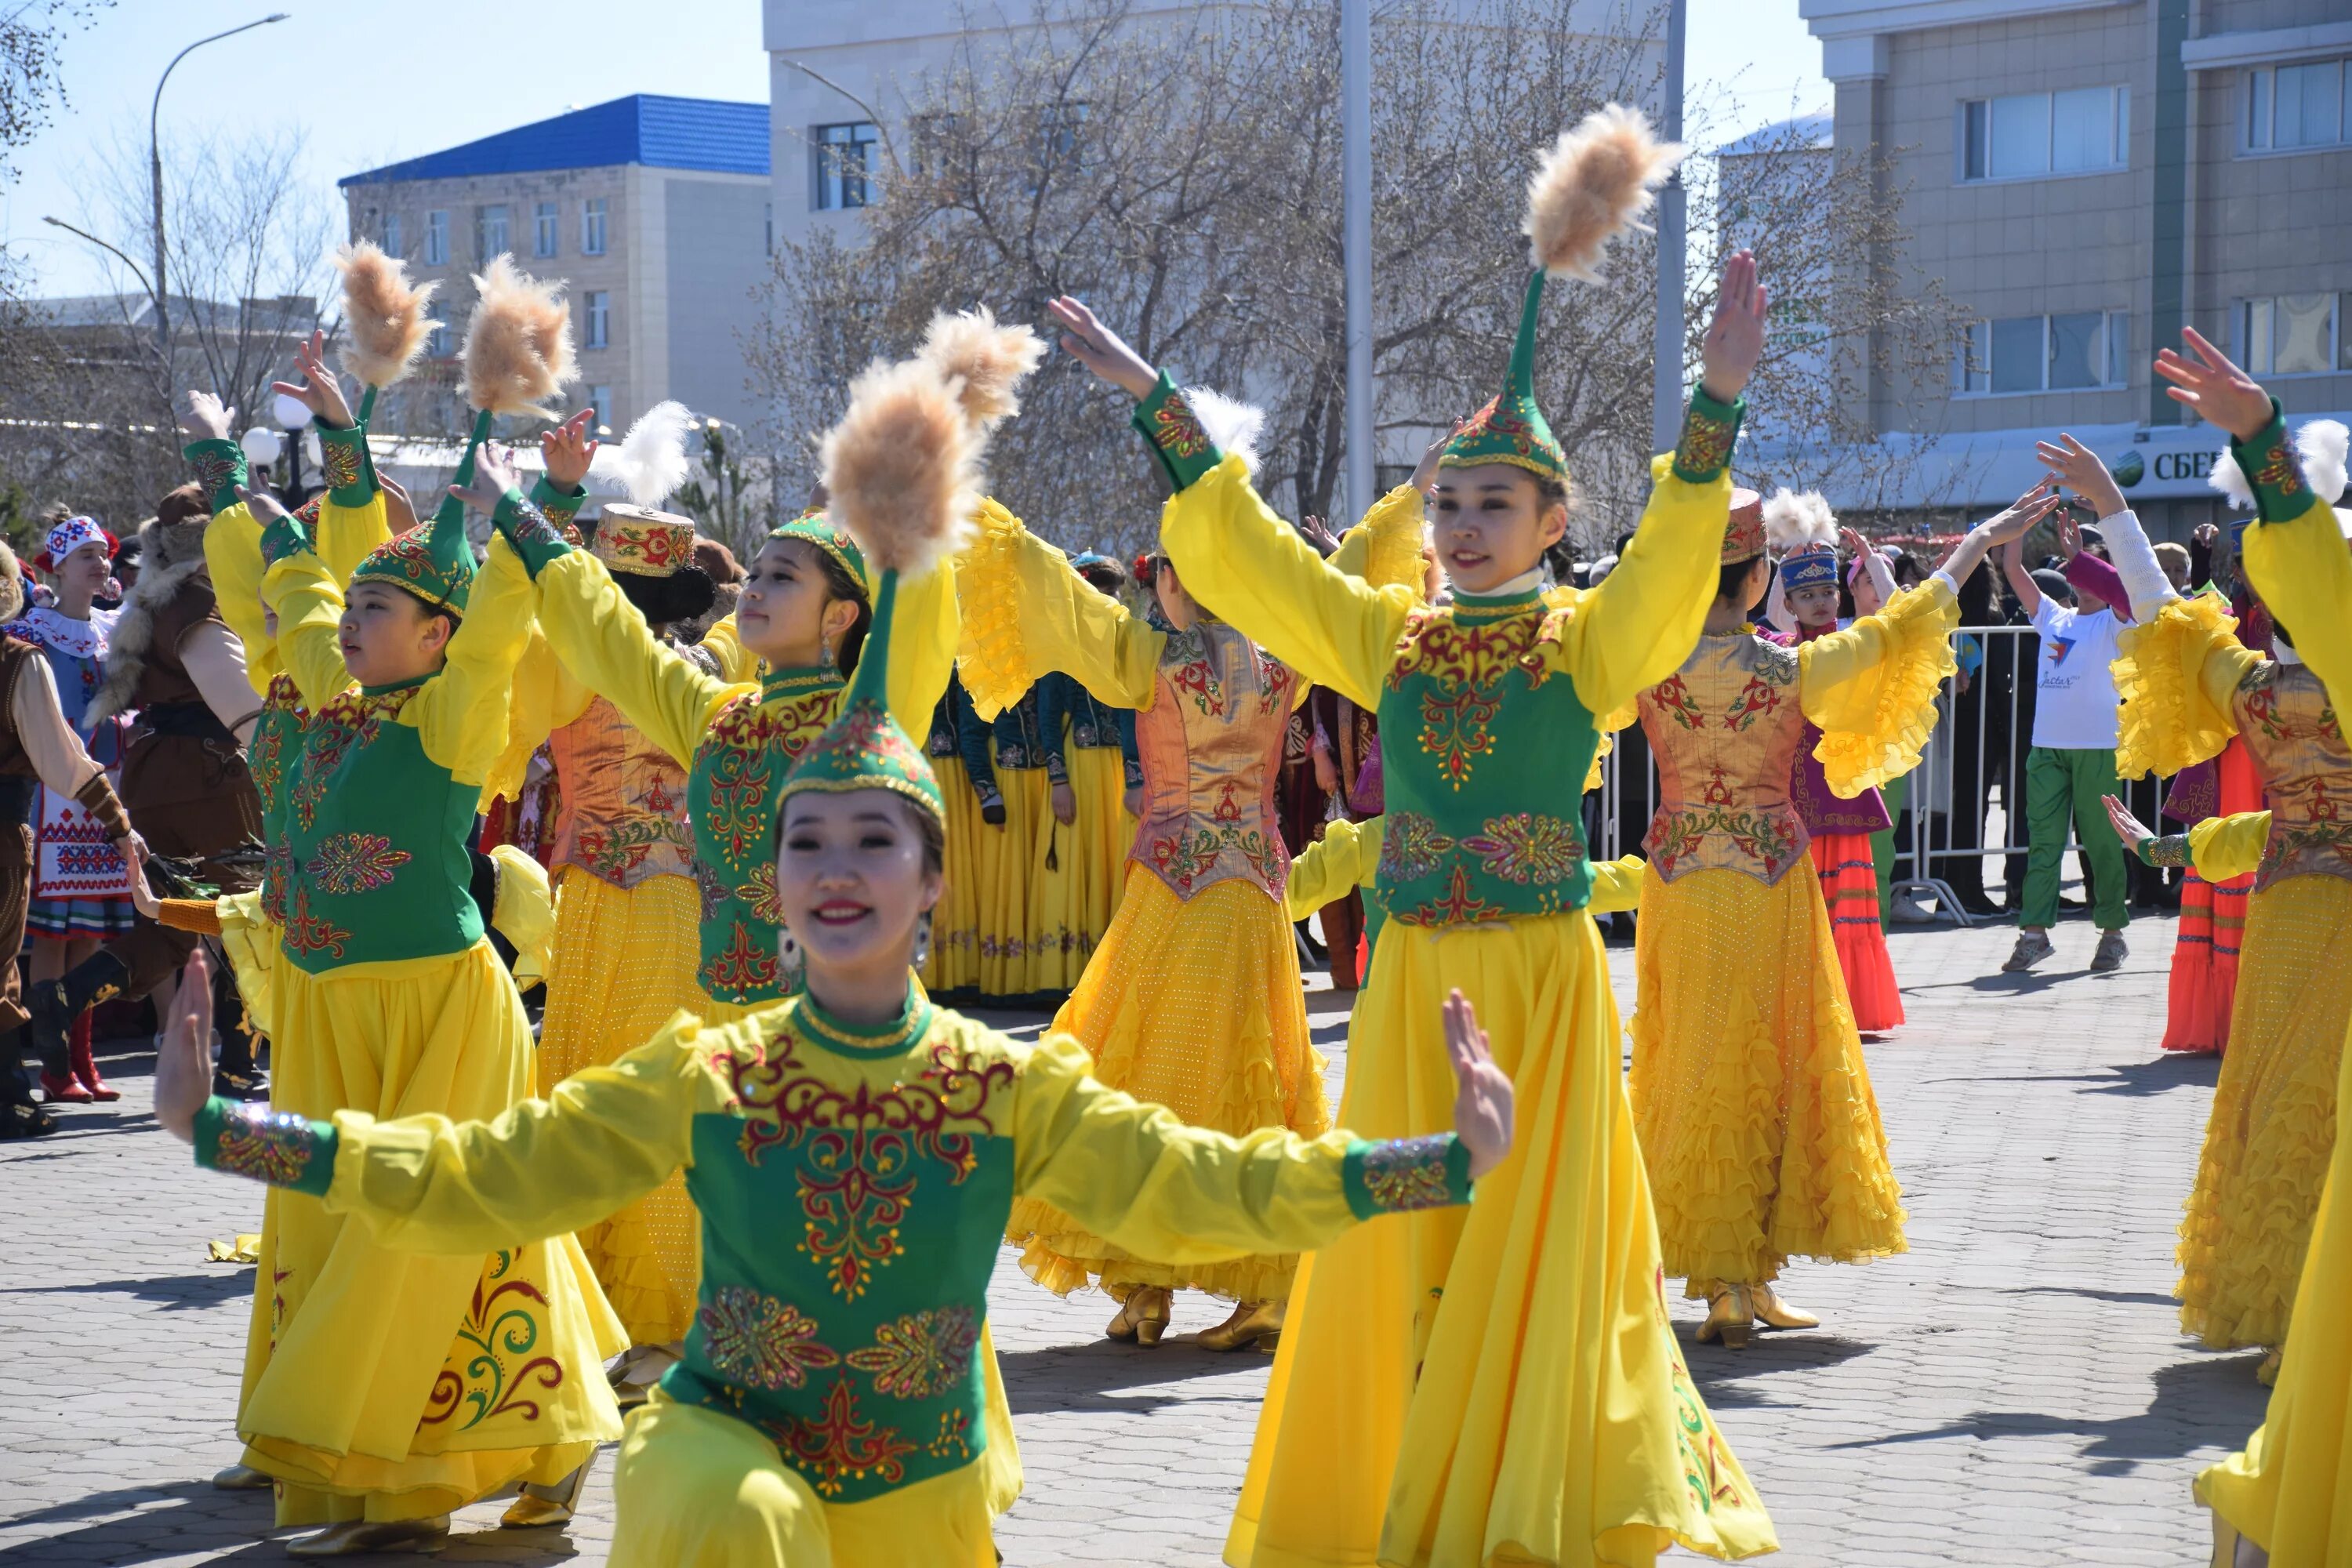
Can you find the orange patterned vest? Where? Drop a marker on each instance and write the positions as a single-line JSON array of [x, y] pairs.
[[1211, 743], [2298, 748], [622, 811], [1725, 729]]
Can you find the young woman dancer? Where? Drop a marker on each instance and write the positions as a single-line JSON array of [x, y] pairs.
[[828, 1412], [1757, 1118], [1505, 1382]]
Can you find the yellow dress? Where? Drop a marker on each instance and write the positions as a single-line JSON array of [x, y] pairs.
[[1192, 998], [2291, 1490], [1749, 1091], [823, 1414], [380, 1385], [2188, 686], [954, 964], [1499, 1385]]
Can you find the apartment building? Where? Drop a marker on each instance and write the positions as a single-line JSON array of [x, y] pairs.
[[2084, 177], [654, 211]]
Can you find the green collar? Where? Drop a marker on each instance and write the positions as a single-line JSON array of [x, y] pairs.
[[1474, 608], [776, 684], [867, 1042], [398, 685]]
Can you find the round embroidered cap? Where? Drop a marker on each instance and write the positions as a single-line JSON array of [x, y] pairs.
[[642, 542], [1811, 567], [70, 536], [1511, 429], [814, 527], [1743, 531]]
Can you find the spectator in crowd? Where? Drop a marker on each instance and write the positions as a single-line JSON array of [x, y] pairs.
[[1981, 699], [2175, 560]]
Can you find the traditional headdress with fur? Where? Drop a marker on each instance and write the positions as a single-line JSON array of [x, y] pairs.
[[1802, 527], [385, 315]]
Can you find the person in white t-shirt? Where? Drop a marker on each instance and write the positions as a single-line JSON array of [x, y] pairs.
[[2071, 767]]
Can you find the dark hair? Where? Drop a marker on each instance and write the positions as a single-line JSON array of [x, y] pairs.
[[1147, 571], [680, 595], [1732, 583], [429, 609], [1102, 577], [840, 584], [187, 503]]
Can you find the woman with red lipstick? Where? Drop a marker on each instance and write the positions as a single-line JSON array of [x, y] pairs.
[[853, 1150]]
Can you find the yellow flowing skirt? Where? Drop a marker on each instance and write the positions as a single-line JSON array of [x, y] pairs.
[[1749, 1092], [954, 962], [1011, 858], [1080, 883], [1193, 1004], [2273, 1122], [1500, 1384], [623, 965], [385, 1384]]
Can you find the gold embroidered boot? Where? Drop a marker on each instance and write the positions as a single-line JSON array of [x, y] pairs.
[[1731, 1317], [1774, 1313]]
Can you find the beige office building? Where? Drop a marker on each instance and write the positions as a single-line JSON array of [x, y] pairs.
[[2085, 177]]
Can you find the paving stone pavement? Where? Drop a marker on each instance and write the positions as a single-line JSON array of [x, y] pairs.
[[2014, 1390]]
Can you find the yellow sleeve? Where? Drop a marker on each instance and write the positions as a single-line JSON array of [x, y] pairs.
[[1332, 868], [460, 715], [606, 645], [737, 664], [309, 610], [2175, 676], [1636, 628], [1026, 613], [924, 632], [1616, 886], [541, 699], [2221, 847], [1144, 1181], [524, 912], [600, 1140], [2303, 573], [1251, 570], [1872, 686], [347, 533], [233, 561], [1385, 550]]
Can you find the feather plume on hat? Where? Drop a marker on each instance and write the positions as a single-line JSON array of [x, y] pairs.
[[1595, 182], [384, 311], [2322, 445], [902, 468], [651, 462], [1234, 425], [518, 342], [985, 362], [1797, 519]]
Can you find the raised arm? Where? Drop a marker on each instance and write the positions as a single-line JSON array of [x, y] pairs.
[[1026, 613], [2020, 581], [2219, 848], [59, 757]]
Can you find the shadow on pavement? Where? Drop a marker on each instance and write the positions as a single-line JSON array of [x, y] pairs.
[[2127, 1297], [178, 1292], [1721, 1374], [2158, 1075], [1092, 1377]]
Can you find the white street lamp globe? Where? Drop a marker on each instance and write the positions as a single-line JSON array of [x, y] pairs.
[[262, 445], [290, 413]]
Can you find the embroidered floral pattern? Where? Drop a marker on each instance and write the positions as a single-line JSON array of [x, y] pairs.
[[1460, 906], [351, 720], [1176, 429], [612, 850], [758, 1342], [840, 1446], [952, 1444], [273, 1146], [760, 893], [341, 461], [1770, 837], [2279, 469], [1527, 847], [922, 1356], [741, 965], [490, 1370], [1412, 847], [709, 888], [1674, 698], [1757, 699], [305, 935], [276, 872], [349, 864], [1454, 730], [2170, 850], [1402, 1174], [1705, 446]]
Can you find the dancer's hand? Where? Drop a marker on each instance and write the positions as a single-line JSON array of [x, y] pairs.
[[2079, 470], [318, 391], [399, 512], [1317, 533], [1735, 339], [1482, 1099], [263, 504], [569, 450], [1100, 350], [133, 851], [206, 418], [2218, 390], [1066, 803], [1424, 472], [2128, 828], [494, 475], [183, 1065]]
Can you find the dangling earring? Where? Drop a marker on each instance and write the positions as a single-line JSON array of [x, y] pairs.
[[922, 955], [828, 658], [789, 956]]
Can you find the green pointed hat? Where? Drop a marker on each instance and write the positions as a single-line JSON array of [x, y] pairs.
[[435, 559], [814, 527], [1511, 429], [864, 747]]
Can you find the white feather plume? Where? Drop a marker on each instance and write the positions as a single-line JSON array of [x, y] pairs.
[[1794, 520], [2323, 444], [1234, 425], [651, 463], [2230, 481]]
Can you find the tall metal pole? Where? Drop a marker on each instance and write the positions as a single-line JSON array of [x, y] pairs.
[[155, 174], [1356, 189], [1666, 418]]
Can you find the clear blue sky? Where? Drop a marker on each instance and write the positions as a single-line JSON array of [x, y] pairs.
[[427, 84]]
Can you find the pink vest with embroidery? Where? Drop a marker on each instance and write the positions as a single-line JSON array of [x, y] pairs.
[[1725, 729], [623, 801], [2298, 749], [1211, 744]]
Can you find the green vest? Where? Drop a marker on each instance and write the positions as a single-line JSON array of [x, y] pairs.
[[733, 793], [275, 746], [1484, 752], [376, 836]]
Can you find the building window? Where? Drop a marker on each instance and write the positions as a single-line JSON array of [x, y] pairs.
[[2293, 334], [490, 237], [2035, 134], [1061, 139], [600, 320], [543, 230], [772, 228], [2072, 351], [600, 399], [391, 240], [437, 239], [591, 227], [438, 341], [839, 162], [2294, 106]]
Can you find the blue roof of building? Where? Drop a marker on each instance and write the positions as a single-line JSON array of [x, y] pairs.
[[665, 132], [1801, 132]]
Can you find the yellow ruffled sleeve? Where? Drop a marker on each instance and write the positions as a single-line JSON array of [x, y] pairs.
[[2175, 676], [310, 610], [542, 699], [1144, 1181], [460, 715], [233, 561], [597, 1142], [736, 663], [1331, 867], [2221, 847], [524, 912], [1026, 614], [1871, 688], [923, 637], [252, 941], [606, 643], [2296, 561], [1385, 550], [1251, 570], [1616, 886], [347, 533]]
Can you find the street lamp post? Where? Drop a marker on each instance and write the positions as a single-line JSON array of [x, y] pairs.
[[156, 173], [1356, 247], [1667, 413]]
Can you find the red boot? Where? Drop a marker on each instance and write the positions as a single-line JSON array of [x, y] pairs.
[[63, 1090], [85, 1064]]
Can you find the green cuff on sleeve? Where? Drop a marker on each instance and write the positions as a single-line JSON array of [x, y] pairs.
[[350, 477], [220, 469], [2172, 849], [1399, 1174], [2272, 467], [274, 1146], [526, 528], [284, 538], [1168, 422], [1709, 430], [560, 508]]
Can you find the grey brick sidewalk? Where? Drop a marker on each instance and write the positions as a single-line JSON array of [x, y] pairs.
[[2013, 1391]]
